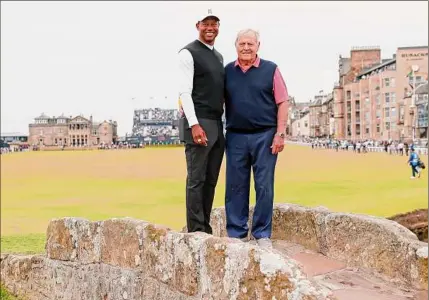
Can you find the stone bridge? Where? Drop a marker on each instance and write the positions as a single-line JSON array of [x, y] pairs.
[[317, 254]]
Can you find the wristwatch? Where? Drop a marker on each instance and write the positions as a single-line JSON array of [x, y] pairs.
[[281, 134]]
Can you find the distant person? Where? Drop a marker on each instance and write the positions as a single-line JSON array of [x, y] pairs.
[[201, 96], [256, 108], [414, 162]]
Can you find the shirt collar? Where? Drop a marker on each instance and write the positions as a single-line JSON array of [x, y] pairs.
[[255, 63], [211, 47]]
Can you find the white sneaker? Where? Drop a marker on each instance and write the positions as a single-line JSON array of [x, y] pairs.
[[244, 240], [265, 243], [412, 177]]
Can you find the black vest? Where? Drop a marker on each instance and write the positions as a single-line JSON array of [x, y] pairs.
[[209, 76]]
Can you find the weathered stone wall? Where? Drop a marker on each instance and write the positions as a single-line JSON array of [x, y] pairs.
[[132, 259], [358, 240]]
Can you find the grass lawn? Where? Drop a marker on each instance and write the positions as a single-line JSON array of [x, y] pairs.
[[149, 184], [4, 295]]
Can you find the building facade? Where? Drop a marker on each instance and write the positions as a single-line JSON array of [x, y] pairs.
[[422, 112], [301, 127], [296, 110], [375, 98], [321, 115], [71, 132]]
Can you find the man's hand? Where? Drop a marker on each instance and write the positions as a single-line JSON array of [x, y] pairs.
[[199, 135], [278, 144]]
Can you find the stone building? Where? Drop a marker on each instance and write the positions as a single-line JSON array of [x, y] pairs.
[[374, 97], [421, 118], [71, 131], [296, 110], [322, 115], [300, 126]]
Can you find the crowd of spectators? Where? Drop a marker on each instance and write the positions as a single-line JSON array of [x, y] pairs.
[[158, 114], [145, 122], [362, 146]]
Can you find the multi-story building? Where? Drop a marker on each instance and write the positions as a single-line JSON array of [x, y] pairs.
[[300, 127], [321, 115], [72, 132], [422, 112], [296, 111], [373, 98]]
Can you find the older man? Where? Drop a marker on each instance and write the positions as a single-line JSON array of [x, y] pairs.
[[256, 107], [201, 96]]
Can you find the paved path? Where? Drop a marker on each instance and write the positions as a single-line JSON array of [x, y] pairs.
[[346, 283]]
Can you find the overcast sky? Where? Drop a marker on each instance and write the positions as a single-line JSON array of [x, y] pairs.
[[95, 57]]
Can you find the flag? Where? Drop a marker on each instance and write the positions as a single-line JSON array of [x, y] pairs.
[[410, 73]]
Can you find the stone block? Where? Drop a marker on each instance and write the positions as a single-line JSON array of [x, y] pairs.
[[298, 224], [231, 269], [186, 257], [419, 265], [368, 242], [121, 242], [156, 256], [60, 244]]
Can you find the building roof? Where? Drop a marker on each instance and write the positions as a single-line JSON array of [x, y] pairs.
[[377, 67], [329, 98], [411, 47], [422, 89], [43, 116], [12, 134], [62, 117], [317, 102]]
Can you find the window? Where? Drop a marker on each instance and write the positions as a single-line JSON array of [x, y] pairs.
[[387, 125], [393, 82], [367, 130], [378, 113], [378, 99], [393, 97], [386, 97], [386, 82], [349, 95], [392, 125], [393, 112], [378, 128], [367, 100], [401, 113], [357, 105], [386, 112], [366, 116], [305, 124]]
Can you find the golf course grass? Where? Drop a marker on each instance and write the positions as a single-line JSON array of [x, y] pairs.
[[149, 184]]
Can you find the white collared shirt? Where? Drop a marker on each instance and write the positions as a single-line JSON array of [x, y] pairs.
[[186, 81]]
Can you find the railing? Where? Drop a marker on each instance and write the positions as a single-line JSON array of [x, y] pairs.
[[419, 150]]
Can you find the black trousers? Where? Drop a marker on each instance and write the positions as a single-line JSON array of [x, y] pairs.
[[203, 167]]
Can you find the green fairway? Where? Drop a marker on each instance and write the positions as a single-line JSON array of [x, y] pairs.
[[149, 184]]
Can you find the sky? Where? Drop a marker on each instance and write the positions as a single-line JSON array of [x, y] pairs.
[[108, 58]]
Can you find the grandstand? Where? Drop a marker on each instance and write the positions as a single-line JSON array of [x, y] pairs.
[[156, 125]]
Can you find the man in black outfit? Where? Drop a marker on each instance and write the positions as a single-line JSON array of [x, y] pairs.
[[201, 81]]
